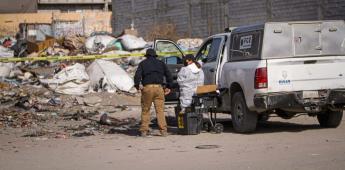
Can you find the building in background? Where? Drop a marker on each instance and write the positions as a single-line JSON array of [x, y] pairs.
[[64, 17], [73, 5], [18, 6], [32, 6], [200, 18]]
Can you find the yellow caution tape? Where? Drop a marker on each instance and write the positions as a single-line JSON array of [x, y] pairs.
[[86, 57]]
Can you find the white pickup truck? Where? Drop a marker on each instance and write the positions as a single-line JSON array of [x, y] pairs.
[[283, 68]]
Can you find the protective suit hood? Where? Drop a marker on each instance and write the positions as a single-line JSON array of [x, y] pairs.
[[193, 68]]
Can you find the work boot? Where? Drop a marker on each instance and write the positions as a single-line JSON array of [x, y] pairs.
[[164, 133], [144, 134]]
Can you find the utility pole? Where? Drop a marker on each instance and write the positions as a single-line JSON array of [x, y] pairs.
[[321, 9], [190, 22], [269, 10], [106, 6]]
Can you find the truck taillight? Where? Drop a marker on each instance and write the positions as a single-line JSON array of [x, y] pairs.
[[260, 78]]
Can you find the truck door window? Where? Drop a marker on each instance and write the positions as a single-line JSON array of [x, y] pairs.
[[246, 46], [213, 54], [203, 53], [169, 52], [209, 51]]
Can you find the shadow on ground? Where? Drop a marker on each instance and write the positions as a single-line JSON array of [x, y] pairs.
[[263, 127], [273, 127], [133, 130]]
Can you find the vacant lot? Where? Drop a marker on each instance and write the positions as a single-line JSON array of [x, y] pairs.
[[298, 143]]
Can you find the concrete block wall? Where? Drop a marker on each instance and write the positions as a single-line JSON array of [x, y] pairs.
[[201, 18]]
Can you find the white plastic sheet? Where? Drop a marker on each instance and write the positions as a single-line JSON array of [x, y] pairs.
[[71, 80], [6, 52], [131, 42], [5, 69], [113, 75]]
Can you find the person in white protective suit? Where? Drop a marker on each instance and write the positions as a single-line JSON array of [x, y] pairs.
[[189, 78]]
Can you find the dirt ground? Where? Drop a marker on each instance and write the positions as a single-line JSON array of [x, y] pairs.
[[298, 143]]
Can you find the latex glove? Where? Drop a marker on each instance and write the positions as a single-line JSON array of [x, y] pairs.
[[166, 91]]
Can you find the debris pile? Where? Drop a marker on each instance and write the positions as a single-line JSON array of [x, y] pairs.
[[71, 98]]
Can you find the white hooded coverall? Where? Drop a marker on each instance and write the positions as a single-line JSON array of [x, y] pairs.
[[189, 78]]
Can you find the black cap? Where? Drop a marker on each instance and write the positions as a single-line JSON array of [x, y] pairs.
[[188, 57], [150, 53]]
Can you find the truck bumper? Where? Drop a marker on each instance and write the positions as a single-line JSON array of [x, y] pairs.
[[328, 99]]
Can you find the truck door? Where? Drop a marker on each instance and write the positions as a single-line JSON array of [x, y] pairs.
[[208, 55], [171, 55]]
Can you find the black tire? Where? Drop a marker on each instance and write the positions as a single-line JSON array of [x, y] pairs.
[[243, 120], [330, 119]]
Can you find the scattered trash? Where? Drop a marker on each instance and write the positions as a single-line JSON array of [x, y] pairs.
[[89, 101], [8, 42], [55, 101], [71, 80], [83, 133], [189, 44], [6, 52], [75, 44], [96, 44], [39, 46], [56, 98], [104, 120], [35, 133], [207, 146], [61, 136]]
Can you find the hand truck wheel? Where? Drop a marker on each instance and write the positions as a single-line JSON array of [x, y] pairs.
[[207, 127], [218, 128]]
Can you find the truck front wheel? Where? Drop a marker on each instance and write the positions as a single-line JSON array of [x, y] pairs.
[[243, 120], [330, 119]]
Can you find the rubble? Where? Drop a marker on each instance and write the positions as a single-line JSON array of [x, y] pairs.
[[97, 44], [64, 99], [39, 46], [89, 101], [71, 80], [75, 44]]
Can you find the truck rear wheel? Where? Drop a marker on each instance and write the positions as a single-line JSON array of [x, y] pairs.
[[330, 119], [243, 120]]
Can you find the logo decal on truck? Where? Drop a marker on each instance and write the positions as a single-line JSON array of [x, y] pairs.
[[285, 81], [246, 42]]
